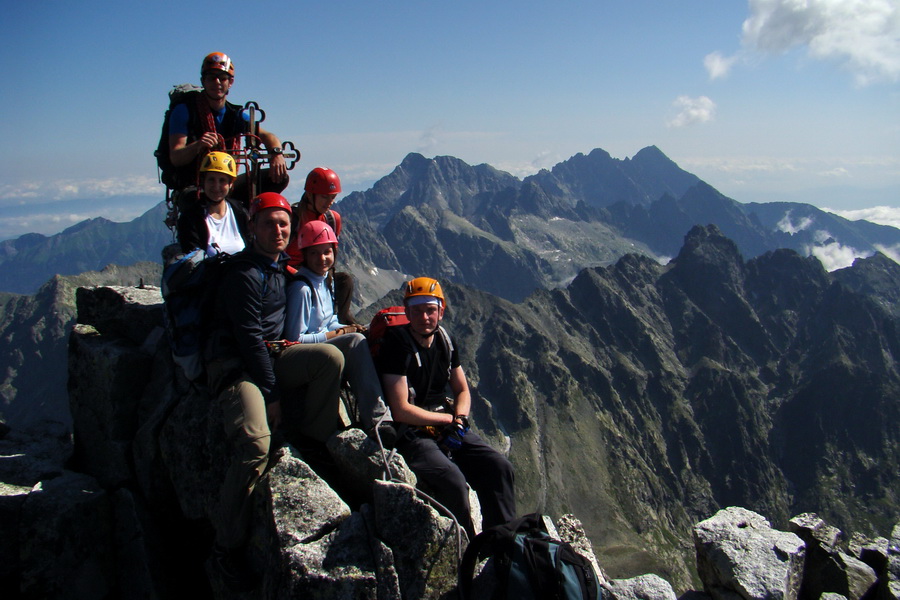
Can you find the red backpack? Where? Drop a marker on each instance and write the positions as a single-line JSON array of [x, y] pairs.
[[383, 320]]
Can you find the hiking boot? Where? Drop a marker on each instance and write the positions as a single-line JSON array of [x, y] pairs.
[[235, 570]]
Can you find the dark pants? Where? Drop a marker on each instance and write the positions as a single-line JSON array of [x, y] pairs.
[[488, 472]]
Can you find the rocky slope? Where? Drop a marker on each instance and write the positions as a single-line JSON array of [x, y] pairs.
[[34, 330], [644, 396], [127, 515]]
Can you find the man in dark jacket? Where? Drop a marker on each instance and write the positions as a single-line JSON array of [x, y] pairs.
[[253, 383]]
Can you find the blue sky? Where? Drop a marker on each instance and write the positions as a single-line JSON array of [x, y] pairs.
[[765, 100]]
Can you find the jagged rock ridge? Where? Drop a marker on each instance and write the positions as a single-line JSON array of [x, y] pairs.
[[644, 396], [151, 452], [34, 330]]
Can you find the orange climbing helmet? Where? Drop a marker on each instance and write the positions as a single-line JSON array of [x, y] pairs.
[[217, 61], [423, 286]]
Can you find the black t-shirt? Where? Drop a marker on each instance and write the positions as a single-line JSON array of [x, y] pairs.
[[427, 369]]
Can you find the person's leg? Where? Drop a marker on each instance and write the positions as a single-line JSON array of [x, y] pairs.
[[318, 368], [440, 476], [491, 476], [359, 371], [248, 430]]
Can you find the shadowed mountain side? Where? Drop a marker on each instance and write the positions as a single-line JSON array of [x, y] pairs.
[[876, 277], [642, 397], [34, 330], [444, 182], [756, 228], [30, 260], [600, 180], [477, 226]]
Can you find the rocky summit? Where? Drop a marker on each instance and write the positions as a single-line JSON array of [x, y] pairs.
[[646, 400]]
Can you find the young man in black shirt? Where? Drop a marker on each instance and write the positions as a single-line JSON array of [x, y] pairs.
[[416, 363]]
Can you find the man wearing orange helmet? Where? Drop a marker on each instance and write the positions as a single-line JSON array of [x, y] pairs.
[[256, 382], [206, 121], [417, 362]]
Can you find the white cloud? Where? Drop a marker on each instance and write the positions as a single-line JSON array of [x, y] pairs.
[[861, 35], [822, 237], [883, 215], [53, 222], [834, 255], [892, 252], [51, 191], [430, 140], [834, 172], [717, 65], [544, 160], [692, 111], [787, 225]]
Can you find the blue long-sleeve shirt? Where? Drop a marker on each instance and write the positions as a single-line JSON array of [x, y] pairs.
[[310, 309]]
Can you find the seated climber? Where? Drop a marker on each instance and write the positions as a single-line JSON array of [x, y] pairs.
[[206, 121], [255, 381], [216, 223], [416, 362], [311, 318], [322, 188]]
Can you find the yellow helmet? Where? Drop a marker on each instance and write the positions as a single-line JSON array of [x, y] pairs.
[[423, 286], [219, 162]]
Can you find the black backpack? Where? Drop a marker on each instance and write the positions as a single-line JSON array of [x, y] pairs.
[[190, 281], [168, 173], [528, 563]]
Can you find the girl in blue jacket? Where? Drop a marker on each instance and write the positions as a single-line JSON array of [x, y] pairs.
[[311, 318]]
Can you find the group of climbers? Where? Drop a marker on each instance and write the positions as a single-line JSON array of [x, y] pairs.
[[282, 337]]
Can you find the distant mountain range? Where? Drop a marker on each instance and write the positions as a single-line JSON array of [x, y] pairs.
[[30, 260], [538, 232]]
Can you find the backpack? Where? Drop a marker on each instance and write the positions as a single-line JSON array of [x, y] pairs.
[[378, 327], [394, 316], [297, 211], [189, 281], [179, 94], [189, 94], [528, 563]]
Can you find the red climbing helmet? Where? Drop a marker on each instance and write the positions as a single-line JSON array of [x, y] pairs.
[[323, 181], [269, 200], [315, 233]]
